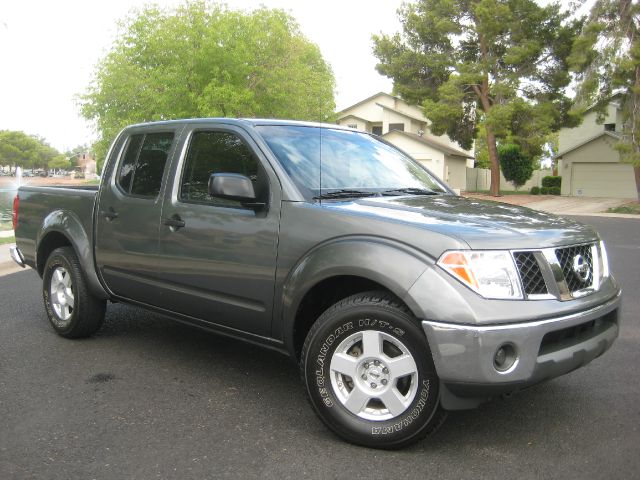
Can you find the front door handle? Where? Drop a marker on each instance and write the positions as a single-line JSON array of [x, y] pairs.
[[110, 214], [174, 222]]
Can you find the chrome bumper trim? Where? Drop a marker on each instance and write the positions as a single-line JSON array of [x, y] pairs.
[[16, 256]]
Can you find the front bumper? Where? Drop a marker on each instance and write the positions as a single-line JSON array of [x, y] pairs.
[[464, 354]]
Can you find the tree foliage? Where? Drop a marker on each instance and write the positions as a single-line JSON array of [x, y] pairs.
[[606, 57], [495, 65], [17, 149], [516, 167], [203, 60]]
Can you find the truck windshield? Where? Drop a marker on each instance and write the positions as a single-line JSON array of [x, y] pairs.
[[354, 164]]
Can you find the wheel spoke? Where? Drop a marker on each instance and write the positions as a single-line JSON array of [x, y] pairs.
[[371, 343], [345, 364], [394, 401], [70, 298], [66, 280], [357, 400], [401, 366], [57, 275]]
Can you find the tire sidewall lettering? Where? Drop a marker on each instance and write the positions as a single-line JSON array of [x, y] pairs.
[[380, 325], [323, 356], [409, 418]]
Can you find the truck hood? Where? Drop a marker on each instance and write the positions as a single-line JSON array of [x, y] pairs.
[[480, 224]]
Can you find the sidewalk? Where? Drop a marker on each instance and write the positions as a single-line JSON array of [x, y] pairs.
[[6, 233]]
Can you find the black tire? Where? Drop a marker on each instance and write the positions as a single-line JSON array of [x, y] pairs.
[[381, 422], [76, 313]]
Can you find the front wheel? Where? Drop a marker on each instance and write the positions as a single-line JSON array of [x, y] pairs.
[[72, 310], [369, 372]]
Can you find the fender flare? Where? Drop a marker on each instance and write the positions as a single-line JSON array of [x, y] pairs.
[[69, 225], [394, 265]]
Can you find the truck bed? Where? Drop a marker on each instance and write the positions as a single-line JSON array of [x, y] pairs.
[[39, 204]]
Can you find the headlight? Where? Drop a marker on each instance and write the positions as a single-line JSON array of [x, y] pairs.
[[490, 273]]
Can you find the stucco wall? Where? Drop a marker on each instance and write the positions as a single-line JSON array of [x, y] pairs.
[[373, 113], [570, 137], [431, 158], [456, 172], [480, 179], [360, 124], [617, 182]]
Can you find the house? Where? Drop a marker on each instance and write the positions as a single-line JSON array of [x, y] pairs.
[[588, 161], [406, 127], [87, 164]]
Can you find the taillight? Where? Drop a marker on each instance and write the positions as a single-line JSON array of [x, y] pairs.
[[16, 206]]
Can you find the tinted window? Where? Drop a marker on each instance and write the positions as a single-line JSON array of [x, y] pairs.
[[218, 152], [144, 163], [129, 162], [151, 162]]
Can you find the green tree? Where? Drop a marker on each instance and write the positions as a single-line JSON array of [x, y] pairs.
[[495, 64], [202, 60], [59, 162], [17, 149], [516, 167], [606, 57]]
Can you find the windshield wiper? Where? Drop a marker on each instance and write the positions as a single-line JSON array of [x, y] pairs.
[[344, 193], [411, 191]]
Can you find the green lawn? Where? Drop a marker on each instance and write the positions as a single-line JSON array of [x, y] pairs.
[[632, 208], [5, 226], [4, 241]]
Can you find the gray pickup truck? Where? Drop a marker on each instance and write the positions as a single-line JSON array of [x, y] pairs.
[[398, 299]]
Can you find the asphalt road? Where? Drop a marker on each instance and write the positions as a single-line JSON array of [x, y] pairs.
[[148, 398]]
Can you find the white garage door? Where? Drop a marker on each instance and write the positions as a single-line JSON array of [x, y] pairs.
[[603, 180]]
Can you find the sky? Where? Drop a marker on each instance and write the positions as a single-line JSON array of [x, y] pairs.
[[49, 50]]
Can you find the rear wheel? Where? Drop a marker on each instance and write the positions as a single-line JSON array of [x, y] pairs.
[[369, 372], [72, 310]]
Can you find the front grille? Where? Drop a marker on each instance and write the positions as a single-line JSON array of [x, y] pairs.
[[573, 266], [530, 273], [567, 258]]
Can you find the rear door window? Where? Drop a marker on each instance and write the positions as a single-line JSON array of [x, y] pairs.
[[143, 164]]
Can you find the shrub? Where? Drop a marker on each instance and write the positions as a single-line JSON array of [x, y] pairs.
[[535, 190], [550, 182], [544, 191], [516, 167], [554, 190]]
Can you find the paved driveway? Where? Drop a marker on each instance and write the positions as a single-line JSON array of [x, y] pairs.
[[149, 398], [558, 204]]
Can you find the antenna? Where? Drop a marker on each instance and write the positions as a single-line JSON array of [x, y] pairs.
[[320, 138]]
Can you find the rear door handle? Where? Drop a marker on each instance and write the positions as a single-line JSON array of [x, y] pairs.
[[175, 222]]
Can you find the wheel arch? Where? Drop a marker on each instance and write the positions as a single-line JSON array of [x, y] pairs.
[[63, 228], [341, 268]]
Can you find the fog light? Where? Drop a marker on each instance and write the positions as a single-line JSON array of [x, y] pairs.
[[505, 358]]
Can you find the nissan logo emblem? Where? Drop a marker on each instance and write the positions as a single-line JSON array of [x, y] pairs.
[[581, 268]]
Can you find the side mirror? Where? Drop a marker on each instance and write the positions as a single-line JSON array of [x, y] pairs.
[[234, 186]]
